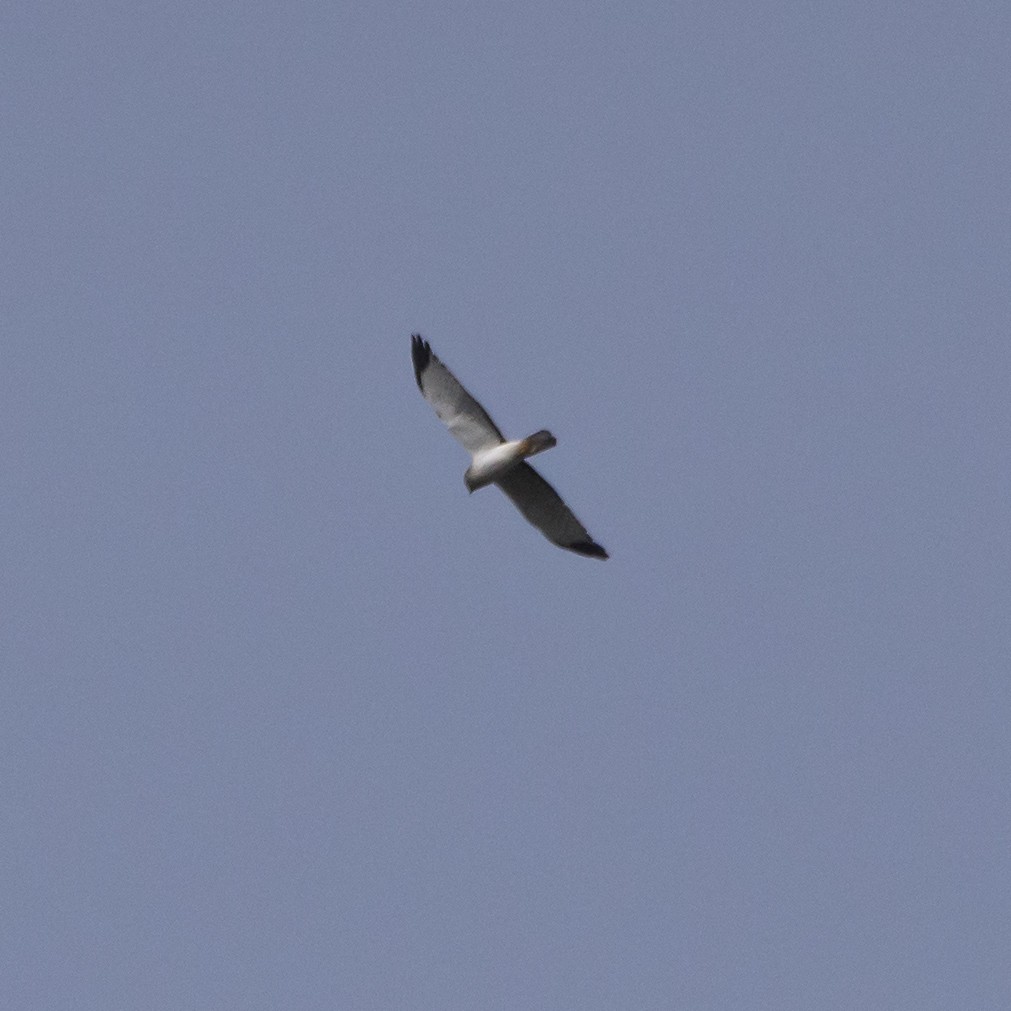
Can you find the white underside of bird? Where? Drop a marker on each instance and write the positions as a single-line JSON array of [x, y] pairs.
[[488, 465]]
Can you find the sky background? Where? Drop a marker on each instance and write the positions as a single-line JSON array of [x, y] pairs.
[[289, 720]]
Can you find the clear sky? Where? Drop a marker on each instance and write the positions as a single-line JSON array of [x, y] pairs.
[[289, 720]]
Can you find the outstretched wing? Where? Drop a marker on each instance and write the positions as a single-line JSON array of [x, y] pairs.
[[465, 418], [543, 507]]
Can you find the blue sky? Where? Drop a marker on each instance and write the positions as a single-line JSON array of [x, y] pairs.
[[290, 720]]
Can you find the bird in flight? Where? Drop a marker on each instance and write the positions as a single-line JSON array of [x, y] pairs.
[[496, 460]]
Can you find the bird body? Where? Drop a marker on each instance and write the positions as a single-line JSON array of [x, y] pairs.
[[488, 465]]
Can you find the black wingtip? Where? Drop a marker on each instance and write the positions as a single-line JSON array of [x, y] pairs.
[[589, 549], [421, 355]]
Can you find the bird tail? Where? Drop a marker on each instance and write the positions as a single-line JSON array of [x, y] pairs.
[[538, 442]]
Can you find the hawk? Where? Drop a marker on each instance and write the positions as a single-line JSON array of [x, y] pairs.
[[497, 460]]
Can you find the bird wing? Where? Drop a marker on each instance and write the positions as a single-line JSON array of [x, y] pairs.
[[465, 418], [543, 507]]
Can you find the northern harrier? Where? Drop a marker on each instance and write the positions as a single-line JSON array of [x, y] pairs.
[[495, 460]]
